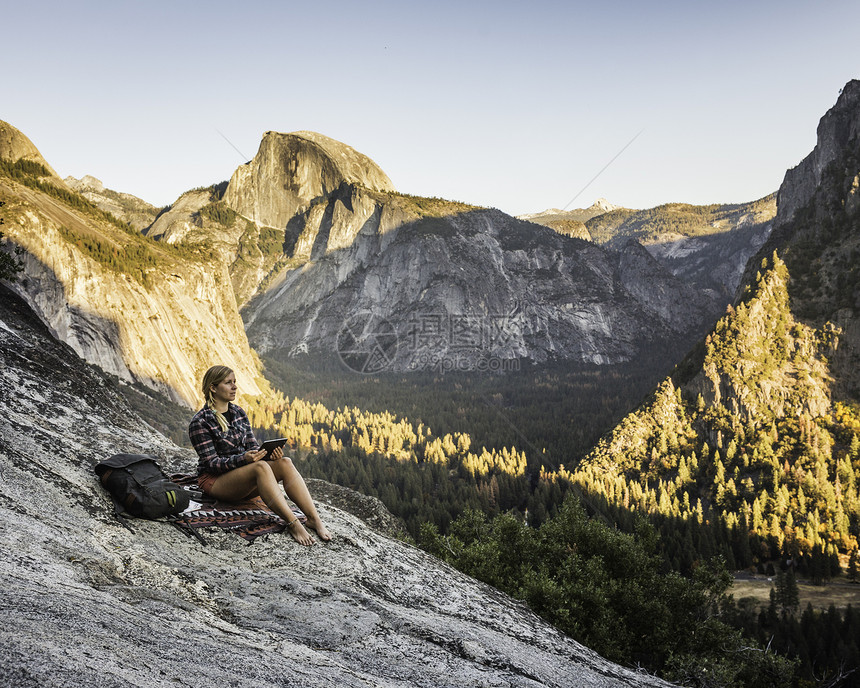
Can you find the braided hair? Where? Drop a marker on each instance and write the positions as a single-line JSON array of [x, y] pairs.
[[212, 378]]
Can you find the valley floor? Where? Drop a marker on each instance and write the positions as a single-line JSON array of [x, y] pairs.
[[839, 592]]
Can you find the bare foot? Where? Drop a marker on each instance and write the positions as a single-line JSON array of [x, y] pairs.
[[300, 535], [322, 531]]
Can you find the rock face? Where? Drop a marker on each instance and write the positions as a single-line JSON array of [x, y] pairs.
[[706, 247], [291, 170], [453, 284], [86, 602], [322, 250], [838, 131], [457, 286], [137, 310], [714, 263], [816, 232]]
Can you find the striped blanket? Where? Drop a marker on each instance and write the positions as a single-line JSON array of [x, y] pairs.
[[249, 519]]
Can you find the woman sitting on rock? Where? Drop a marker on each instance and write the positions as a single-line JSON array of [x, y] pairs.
[[231, 466]]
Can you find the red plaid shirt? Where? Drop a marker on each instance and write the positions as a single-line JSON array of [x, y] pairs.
[[221, 450]]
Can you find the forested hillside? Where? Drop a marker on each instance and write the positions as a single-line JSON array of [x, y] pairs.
[[679, 219], [748, 449]]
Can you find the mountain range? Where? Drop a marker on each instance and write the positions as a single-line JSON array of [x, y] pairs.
[[327, 261]]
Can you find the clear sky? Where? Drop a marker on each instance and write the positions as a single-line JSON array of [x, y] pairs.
[[515, 105]]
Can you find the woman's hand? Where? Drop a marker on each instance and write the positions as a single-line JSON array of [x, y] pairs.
[[254, 455], [276, 454]]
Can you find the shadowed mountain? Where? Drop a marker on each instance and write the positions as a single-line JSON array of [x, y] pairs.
[[323, 251], [321, 247]]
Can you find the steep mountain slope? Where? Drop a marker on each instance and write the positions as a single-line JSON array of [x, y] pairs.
[[466, 286], [746, 441], [470, 288], [141, 310], [87, 602], [291, 170], [248, 220], [817, 231], [323, 252]]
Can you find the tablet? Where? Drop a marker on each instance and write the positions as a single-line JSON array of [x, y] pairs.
[[270, 445]]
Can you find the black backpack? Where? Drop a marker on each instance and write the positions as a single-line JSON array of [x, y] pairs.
[[140, 488]]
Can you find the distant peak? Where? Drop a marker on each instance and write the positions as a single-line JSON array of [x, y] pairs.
[[87, 182], [600, 206], [604, 205]]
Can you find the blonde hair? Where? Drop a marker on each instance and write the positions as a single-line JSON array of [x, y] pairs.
[[212, 378]]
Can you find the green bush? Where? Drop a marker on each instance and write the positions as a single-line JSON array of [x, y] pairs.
[[219, 212]]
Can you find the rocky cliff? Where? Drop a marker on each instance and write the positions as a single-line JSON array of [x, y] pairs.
[[87, 602], [139, 310], [817, 232], [250, 220], [466, 288], [291, 170], [838, 132], [323, 252], [451, 284]]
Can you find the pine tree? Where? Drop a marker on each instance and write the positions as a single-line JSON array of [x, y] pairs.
[[787, 594], [852, 566]]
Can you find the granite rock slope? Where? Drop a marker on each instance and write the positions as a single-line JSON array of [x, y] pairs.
[[291, 170], [86, 602], [142, 311], [473, 289]]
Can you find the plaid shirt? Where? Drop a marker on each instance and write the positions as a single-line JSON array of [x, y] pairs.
[[221, 451]]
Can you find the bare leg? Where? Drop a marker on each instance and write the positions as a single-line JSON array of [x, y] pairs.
[[296, 490], [259, 479]]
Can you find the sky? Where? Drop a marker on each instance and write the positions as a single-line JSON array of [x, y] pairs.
[[520, 106]]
